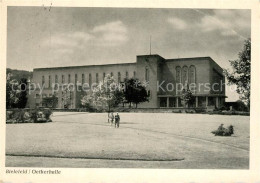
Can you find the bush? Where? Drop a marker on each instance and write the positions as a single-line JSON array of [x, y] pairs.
[[224, 108], [176, 110], [47, 113], [221, 131], [200, 110], [89, 108], [28, 116]]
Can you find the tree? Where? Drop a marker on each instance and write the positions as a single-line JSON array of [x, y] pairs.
[[66, 96], [104, 96], [240, 76], [187, 97], [135, 92], [23, 94], [16, 92], [12, 92], [18, 74]]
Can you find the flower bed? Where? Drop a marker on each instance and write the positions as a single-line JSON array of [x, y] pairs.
[[28, 115]]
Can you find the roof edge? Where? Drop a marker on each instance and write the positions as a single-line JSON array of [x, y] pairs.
[[69, 67], [189, 58]]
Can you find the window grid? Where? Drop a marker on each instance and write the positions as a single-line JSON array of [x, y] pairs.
[[49, 81], [146, 74], [126, 74], [43, 80], [76, 78], [69, 78], [97, 78], [119, 77], [83, 78], [62, 79], [56, 78], [90, 80]]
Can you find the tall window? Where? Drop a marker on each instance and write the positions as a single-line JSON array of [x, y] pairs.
[[192, 74], [43, 80], [83, 78], [76, 78], [90, 80], [97, 80], [49, 81], [69, 80], [146, 74], [178, 74], [184, 75], [104, 75], [62, 79], [56, 79], [126, 74], [119, 77], [178, 79], [134, 74]]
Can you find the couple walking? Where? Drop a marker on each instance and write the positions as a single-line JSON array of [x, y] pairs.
[[112, 118]]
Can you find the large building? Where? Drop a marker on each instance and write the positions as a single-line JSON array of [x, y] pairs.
[[165, 78]]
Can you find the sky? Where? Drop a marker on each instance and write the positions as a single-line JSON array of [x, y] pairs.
[[63, 36]]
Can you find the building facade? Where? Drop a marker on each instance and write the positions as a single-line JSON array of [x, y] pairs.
[[165, 80]]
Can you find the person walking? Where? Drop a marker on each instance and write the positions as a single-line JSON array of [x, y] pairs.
[[117, 120], [111, 118]]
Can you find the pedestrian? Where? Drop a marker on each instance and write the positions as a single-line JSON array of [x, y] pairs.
[[117, 120], [111, 118]]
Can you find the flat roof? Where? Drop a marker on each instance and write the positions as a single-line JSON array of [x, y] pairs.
[[70, 67], [189, 58], [102, 65]]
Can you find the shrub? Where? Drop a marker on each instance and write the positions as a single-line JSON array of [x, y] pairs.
[[47, 113], [176, 110], [221, 131], [200, 110], [9, 115], [28, 116], [33, 115]]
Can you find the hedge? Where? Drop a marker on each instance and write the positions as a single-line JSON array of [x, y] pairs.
[[28, 115]]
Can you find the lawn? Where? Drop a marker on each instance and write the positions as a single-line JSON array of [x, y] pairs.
[[150, 140]]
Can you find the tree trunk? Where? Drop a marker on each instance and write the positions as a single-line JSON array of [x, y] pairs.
[[136, 105], [108, 113]]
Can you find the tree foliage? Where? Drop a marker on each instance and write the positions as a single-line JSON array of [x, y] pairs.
[[104, 96], [66, 96], [16, 92], [23, 94], [18, 74], [241, 72], [135, 92], [12, 92], [187, 97]]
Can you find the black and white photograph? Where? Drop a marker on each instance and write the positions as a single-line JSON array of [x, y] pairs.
[[126, 87]]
